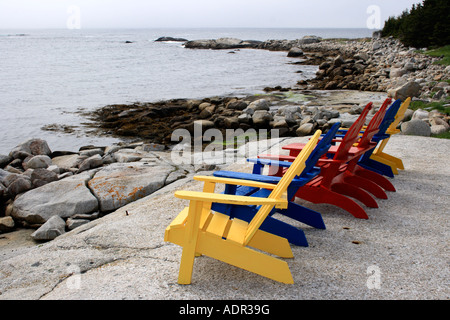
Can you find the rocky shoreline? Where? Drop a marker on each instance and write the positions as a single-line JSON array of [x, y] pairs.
[[57, 191]]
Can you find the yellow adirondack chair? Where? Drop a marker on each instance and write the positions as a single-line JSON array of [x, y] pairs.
[[201, 231], [379, 155]]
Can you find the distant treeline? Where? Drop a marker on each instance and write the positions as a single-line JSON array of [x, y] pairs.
[[425, 25]]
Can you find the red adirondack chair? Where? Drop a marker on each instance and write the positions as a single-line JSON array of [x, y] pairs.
[[337, 181]]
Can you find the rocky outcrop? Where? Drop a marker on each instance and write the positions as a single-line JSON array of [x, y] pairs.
[[222, 43], [382, 65], [170, 39], [78, 187]]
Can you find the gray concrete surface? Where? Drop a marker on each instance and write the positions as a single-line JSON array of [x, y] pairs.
[[124, 256]]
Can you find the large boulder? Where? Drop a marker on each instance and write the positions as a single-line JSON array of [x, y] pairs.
[[121, 183], [295, 52], [33, 147], [63, 198], [410, 89], [416, 127]]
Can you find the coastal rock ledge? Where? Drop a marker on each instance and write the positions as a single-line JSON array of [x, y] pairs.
[[78, 187]]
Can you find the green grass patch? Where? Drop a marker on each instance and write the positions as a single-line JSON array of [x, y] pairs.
[[445, 135], [441, 52], [441, 106]]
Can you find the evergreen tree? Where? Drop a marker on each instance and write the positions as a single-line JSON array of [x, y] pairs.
[[425, 25]]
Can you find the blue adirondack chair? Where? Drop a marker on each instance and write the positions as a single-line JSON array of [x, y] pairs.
[[373, 165], [295, 211], [366, 161]]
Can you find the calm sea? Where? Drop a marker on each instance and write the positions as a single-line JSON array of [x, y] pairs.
[[48, 76]]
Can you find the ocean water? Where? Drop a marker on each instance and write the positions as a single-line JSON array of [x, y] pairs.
[[48, 76]]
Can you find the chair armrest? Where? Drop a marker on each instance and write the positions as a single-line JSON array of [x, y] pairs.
[[248, 176], [239, 182], [228, 199], [273, 162]]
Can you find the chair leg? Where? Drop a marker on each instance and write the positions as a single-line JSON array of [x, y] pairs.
[[294, 235], [377, 167], [245, 258], [366, 184], [190, 242], [271, 243], [374, 177], [186, 265], [355, 192], [389, 160], [323, 195], [305, 215]]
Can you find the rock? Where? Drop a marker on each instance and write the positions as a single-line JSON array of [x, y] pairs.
[[19, 185], [420, 114], [151, 147], [6, 177], [34, 147], [439, 129], [295, 52], [168, 39], [4, 160], [40, 177], [436, 121], [309, 40], [127, 155], [40, 161], [416, 127], [68, 161], [260, 104], [64, 198], [331, 85], [231, 123], [6, 224], [237, 105], [376, 46], [92, 152], [261, 118], [338, 61], [324, 65], [91, 163], [75, 223], [396, 72], [200, 126], [121, 183], [54, 227], [305, 129], [245, 118], [410, 89], [88, 216], [2, 190], [362, 56], [204, 167], [221, 43]]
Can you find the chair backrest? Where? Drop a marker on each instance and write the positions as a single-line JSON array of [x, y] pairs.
[[374, 125], [400, 115], [321, 148], [294, 170], [352, 134], [389, 117]]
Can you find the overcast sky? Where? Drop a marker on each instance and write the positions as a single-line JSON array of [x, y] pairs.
[[23, 14]]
